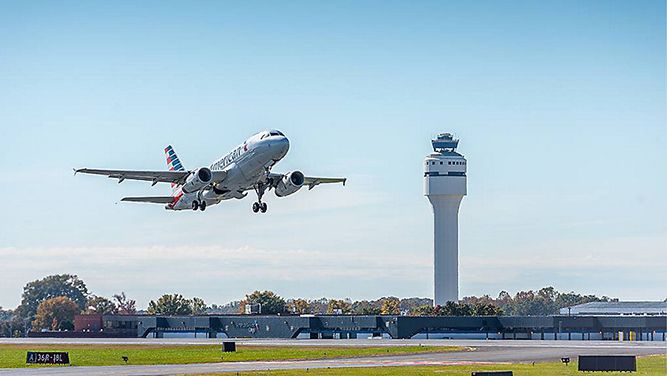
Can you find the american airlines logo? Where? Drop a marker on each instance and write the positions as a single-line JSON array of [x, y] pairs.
[[229, 158]]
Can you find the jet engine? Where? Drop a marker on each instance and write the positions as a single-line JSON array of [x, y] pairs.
[[290, 183], [199, 179]]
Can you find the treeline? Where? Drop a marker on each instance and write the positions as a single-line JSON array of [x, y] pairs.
[[52, 302], [543, 302], [270, 303]]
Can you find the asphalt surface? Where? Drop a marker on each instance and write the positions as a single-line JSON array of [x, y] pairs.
[[494, 351]]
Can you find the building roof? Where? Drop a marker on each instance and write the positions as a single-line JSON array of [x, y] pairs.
[[616, 308]]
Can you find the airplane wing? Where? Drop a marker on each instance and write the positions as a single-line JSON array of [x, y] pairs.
[[154, 200], [311, 182], [177, 177]]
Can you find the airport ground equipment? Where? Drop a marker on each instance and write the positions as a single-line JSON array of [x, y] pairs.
[[445, 185], [492, 373], [606, 363]]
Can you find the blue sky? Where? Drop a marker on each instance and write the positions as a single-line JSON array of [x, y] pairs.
[[560, 107]]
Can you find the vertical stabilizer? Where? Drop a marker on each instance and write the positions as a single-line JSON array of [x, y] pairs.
[[173, 163]]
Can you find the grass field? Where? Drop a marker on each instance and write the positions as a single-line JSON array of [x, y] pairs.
[[646, 366], [13, 356]]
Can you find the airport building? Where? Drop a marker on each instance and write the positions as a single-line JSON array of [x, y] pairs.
[[573, 327], [617, 308]]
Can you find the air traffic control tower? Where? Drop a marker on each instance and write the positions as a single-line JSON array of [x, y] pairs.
[[445, 186]]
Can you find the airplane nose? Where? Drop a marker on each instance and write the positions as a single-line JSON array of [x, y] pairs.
[[284, 145]]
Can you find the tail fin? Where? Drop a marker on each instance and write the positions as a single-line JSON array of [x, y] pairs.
[[173, 162]]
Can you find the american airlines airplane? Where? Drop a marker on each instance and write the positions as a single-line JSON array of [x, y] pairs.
[[247, 167]]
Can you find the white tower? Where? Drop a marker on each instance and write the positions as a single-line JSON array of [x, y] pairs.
[[445, 186]]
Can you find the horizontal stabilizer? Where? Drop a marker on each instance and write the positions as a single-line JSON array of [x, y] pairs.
[[154, 200]]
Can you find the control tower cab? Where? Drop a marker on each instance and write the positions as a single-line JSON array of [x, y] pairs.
[[445, 186]]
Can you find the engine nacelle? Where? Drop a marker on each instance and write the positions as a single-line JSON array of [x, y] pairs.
[[197, 180], [290, 183]]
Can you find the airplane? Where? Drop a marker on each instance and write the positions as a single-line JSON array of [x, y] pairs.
[[245, 168]]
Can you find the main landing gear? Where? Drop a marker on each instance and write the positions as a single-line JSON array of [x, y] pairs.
[[259, 206], [198, 205]]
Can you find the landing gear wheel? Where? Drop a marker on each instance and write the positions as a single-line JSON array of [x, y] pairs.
[[262, 207], [255, 207], [202, 206], [195, 205]]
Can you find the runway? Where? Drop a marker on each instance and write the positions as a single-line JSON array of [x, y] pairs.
[[481, 352]]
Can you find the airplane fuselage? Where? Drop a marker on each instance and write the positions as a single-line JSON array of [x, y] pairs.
[[245, 166]]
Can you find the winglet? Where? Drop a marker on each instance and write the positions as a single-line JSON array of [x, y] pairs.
[[344, 181]]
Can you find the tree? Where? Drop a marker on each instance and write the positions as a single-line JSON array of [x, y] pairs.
[[339, 307], [270, 302], [484, 309], [456, 309], [36, 292], [100, 305], [422, 310], [299, 306], [198, 306], [390, 306], [408, 304], [168, 304], [6, 314], [125, 306], [364, 307], [56, 314]]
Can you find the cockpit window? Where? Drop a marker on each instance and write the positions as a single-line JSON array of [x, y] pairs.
[[276, 133]]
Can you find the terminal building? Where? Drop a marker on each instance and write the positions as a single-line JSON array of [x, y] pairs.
[[561, 327]]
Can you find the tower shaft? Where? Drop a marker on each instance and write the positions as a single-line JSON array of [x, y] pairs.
[[445, 247]]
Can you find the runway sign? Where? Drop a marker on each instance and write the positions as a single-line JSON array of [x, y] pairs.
[[607, 363], [40, 357], [229, 346]]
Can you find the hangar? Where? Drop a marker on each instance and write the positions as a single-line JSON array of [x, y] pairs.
[[617, 308]]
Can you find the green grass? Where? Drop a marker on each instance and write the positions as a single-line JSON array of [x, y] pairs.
[[13, 356], [646, 366]]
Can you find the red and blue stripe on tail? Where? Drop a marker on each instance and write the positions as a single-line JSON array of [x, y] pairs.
[[173, 162]]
